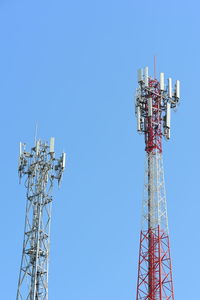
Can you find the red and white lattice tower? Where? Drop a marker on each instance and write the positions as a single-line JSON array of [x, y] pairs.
[[153, 104]]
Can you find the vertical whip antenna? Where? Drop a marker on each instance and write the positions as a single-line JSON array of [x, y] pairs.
[[41, 169], [154, 101]]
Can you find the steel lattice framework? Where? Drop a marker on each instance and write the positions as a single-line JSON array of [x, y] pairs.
[[41, 168], [153, 104]]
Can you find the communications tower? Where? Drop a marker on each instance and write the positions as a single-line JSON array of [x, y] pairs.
[[41, 169], [154, 101]]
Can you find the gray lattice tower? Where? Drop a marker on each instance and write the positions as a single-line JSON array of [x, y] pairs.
[[41, 169]]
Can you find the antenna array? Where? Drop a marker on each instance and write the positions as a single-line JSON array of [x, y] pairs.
[[153, 102]]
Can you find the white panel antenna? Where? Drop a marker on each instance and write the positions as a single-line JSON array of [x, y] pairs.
[[162, 82], [63, 160], [146, 76], [170, 87], [37, 147], [178, 89], [140, 75], [52, 142], [20, 149]]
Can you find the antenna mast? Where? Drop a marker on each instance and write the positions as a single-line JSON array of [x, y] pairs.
[[41, 169], [153, 104]]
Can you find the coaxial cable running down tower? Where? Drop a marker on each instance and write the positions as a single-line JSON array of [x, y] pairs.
[[41, 169], [153, 105]]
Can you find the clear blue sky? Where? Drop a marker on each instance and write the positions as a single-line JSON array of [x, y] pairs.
[[71, 66]]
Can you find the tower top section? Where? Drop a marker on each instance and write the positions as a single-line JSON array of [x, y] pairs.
[[153, 103], [41, 156]]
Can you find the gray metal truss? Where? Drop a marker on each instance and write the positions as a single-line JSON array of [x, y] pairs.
[[154, 212], [40, 169]]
